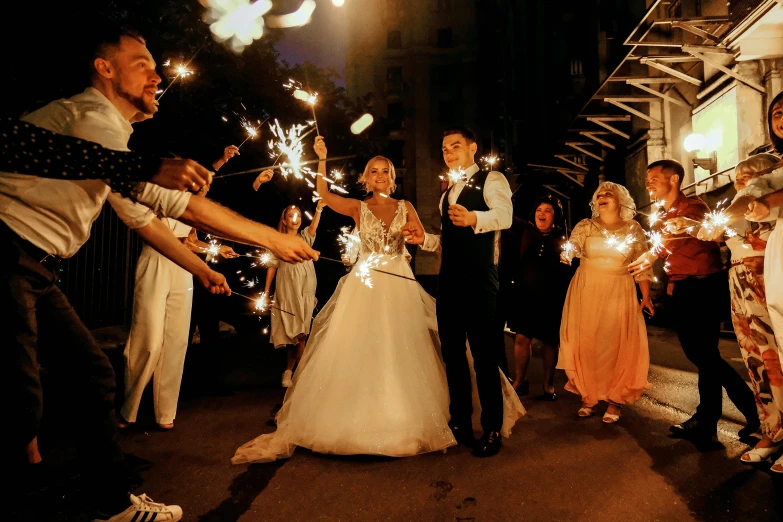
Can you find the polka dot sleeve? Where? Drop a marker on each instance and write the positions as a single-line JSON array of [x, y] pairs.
[[31, 150]]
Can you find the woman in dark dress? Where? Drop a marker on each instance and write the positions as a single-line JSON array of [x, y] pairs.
[[538, 286]]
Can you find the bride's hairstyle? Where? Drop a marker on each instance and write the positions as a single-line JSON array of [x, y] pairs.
[[281, 226], [366, 174], [627, 205]]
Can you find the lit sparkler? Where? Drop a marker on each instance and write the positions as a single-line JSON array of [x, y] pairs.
[[455, 175], [490, 160], [350, 242], [289, 144], [212, 251], [716, 219], [182, 71], [569, 251], [308, 97], [240, 21], [252, 131]]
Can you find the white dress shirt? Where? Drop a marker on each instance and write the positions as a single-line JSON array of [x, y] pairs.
[[497, 196], [56, 215]]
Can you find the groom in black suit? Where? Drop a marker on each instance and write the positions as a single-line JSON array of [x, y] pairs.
[[476, 206]]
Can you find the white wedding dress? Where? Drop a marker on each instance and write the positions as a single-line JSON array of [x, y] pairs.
[[371, 380]]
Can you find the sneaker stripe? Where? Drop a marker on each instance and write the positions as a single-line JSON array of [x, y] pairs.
[[143, 517], [152, 518], [135, 516]]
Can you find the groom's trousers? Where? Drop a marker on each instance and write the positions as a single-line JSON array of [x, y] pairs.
[[466, 313]]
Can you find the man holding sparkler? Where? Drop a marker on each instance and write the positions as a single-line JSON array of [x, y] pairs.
[[43, 219], [697, 285], [474, 209]]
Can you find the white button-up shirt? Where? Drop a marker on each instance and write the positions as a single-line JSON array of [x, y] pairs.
[[497, 196], [56, 215]]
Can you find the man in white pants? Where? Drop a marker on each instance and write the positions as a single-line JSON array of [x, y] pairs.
[[160, 325]]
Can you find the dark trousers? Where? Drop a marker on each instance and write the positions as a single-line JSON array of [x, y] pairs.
[[698, 306], [33, 304], [470, 315]]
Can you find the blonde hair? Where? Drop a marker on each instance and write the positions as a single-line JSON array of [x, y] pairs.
[[756, 163], [281, 226], [627, 205], [366, 174]]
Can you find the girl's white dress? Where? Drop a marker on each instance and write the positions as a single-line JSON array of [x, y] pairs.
[[295, 285], [371, 381]]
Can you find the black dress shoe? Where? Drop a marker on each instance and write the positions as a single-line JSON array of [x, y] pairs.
[[488, 445], [546, 396], [463, 434], [693, 430], [750, 428]]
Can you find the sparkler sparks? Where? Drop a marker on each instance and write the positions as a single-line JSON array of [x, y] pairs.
[[307, 97], [182, 71], [262, 303], [490, 160], [569, 251], [239, 21], [252, 131], [349, 242], [716, 219], [455, 175], [289, 144], [213, 251]]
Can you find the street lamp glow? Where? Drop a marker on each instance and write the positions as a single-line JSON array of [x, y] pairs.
[[694, 142]]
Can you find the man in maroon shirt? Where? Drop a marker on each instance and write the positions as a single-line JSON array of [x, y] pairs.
[[697, 285]]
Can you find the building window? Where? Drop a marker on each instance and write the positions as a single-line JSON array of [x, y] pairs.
[[394, 40], [445, 38], [576, 67], [394, 75]]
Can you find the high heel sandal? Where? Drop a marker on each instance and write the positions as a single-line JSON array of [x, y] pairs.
[[778, 464], [756, 455], [585, 411], [612, 418]]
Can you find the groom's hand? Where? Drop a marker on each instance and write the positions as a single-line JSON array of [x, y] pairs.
[[461, 216], [413, 233]]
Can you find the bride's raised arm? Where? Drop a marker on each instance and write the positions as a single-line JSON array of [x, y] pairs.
[[346, 206]]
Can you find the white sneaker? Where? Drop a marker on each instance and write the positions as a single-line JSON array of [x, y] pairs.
[[287, 381], [143, 508]]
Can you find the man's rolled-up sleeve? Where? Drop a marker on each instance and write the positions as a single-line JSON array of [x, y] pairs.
[[163, 202]]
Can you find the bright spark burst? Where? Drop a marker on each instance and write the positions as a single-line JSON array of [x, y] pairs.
[[240, 21], [717, 219], [349, 242], [262, 303], [337, 175], [490, 160], [167, 63], [183, 71], [455, 175], [213, 251], [289, 144], [621, 245], [363, 269], [251, 283], [569, 250]]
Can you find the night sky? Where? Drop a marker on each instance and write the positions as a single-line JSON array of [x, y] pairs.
[[322, 41]]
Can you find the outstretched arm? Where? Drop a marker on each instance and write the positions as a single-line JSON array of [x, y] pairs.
[[345, 206], [158, 236], [35, 151], [209, 217], [319, 207]]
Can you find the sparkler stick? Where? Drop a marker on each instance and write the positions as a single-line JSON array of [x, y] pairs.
[[252, 132], [261, 302], [374, 269], [283, 165], [182, 70]]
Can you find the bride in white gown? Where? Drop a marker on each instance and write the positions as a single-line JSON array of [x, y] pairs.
[[371, 381]]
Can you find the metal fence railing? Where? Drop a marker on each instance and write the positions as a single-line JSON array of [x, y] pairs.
[[99, 279]]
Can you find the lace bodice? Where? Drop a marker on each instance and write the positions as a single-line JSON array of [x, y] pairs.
[[373, 235]]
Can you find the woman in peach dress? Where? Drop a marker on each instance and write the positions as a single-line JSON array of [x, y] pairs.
[[603, 338]]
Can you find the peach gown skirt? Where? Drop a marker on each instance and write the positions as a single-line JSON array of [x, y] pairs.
[[603, 338]]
